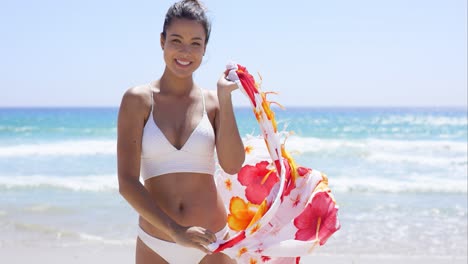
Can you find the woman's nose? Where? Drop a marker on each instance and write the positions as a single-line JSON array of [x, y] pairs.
[[185, 48]]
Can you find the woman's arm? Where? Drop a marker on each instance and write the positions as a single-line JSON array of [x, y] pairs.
[[129, 134], [130, 125], [229, 146]]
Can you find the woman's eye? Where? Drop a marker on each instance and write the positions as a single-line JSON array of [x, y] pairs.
[[196, 44], [175, 41]]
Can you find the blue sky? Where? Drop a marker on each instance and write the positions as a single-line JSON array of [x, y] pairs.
[[314, 53]]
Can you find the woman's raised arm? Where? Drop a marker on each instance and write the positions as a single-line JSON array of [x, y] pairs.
[[229, 146]]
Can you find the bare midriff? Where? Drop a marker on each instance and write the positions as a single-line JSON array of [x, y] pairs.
[[190, 199]]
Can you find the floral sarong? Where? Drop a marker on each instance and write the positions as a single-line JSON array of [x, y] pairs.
[[278, 211]]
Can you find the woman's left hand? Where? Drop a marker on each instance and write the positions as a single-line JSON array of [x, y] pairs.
[[225, 86]]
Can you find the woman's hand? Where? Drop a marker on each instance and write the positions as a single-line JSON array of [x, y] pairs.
[[225, 86], [194, 236]]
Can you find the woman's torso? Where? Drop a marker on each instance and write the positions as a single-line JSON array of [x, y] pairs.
[[189, 198]]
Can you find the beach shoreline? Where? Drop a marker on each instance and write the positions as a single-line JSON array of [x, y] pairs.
[[398, 176], [124, 254]]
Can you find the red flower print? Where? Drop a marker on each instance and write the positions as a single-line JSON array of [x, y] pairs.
[[296, 200], [231, 242], [259, 180], [318, 220], [248, 82], [290, 181], [303, 171]]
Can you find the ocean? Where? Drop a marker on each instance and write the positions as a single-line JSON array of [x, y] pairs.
[[399, 176]]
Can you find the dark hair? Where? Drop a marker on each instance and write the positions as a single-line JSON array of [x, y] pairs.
[[188, 9]]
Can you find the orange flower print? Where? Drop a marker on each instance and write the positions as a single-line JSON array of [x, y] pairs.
[[241, 213], [258, 115], [244, 214], [248, 149], [255, 228], [228, 184], [241, 251]]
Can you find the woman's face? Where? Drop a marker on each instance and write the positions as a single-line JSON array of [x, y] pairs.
[[184, 46]]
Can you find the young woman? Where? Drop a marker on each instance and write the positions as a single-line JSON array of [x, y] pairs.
[[168, 131]]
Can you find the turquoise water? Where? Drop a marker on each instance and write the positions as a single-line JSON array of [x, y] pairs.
[[398, 174]]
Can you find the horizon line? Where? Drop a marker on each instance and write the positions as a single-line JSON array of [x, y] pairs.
[[245, 106]]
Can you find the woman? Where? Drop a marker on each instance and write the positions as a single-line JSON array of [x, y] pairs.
[[167, 133]]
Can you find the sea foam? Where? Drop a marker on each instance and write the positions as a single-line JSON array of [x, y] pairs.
[[60, 148]]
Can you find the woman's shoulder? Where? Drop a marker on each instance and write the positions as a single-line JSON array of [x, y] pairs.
[[210, 94], [138, 97], [211, 98], [138, 92]]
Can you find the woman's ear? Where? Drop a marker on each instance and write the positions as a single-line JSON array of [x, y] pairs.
[[162, 40]]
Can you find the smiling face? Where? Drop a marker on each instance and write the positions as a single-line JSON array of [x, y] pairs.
[[184, 46]]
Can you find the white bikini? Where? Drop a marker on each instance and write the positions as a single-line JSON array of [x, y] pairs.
[[174, 253], [159, 157]]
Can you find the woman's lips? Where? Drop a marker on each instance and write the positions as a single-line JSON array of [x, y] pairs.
[[183, 62]]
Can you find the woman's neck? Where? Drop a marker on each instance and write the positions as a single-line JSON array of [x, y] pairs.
[[173, 85]]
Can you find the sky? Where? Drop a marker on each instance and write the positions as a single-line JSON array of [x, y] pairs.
[[313, 53]]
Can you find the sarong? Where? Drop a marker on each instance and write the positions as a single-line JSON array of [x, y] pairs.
[[278, 210]]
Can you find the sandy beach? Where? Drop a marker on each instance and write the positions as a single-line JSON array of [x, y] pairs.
[[117, 254]]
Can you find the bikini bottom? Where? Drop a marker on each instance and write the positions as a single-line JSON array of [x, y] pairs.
[[174, 253]]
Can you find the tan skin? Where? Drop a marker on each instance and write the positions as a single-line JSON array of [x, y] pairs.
[[184, 208]]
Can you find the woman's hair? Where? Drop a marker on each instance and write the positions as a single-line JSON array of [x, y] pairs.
[[188, 9]]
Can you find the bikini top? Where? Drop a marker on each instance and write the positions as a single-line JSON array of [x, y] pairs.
[[159, 156]]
